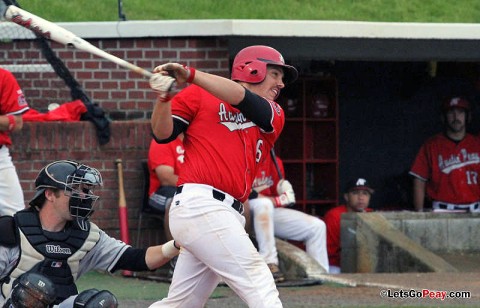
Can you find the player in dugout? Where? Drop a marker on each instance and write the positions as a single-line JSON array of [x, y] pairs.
[[357, 197], [55, 239], [446, 168], [229, 127], [270, 202]]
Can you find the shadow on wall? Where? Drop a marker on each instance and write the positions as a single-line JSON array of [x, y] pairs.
[[387, 110]]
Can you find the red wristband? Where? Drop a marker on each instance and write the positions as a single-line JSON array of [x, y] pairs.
[[11, 122], [192, 74]]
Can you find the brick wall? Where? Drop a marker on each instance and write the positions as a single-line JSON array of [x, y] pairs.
[[124, 95], [126, 99], [40, 143]]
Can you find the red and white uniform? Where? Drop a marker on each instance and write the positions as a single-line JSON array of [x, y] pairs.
[[451, 170], [222, 150], [218, 134], [168, 154], [284, 223], [12, 102]]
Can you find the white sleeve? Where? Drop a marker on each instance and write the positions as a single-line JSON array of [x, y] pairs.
[[104, 255]]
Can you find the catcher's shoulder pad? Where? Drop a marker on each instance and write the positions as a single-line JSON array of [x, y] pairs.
[[8, 231]]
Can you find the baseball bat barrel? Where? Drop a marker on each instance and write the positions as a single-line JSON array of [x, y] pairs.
[[122, 209], [60, 35]]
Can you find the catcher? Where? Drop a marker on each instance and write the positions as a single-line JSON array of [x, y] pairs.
[[55, 239]]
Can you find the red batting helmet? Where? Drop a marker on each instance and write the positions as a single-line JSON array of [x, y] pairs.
[[250, 64], [455, 102]]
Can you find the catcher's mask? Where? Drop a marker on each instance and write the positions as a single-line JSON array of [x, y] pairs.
[[250, 64], [76, 180]]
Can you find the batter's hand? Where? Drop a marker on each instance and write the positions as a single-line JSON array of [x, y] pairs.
[[182, 74], [165, 87]]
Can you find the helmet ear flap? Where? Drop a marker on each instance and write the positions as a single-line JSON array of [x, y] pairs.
[[251, 72]]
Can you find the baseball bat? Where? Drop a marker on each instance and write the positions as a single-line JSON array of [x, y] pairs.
[[60, 35], [274, 158], [122, 210]]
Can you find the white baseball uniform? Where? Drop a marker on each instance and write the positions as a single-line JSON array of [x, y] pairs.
[[12, 102], [285, 223]]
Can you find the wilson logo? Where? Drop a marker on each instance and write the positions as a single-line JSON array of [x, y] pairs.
[[58, 249]]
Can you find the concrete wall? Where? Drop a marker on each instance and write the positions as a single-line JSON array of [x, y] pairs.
[[406, 241]]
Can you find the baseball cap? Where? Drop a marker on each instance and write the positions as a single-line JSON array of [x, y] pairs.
[[359, 184], [455, 102]]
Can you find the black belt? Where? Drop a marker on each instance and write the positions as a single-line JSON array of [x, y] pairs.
[[220, 196], [444, 206]]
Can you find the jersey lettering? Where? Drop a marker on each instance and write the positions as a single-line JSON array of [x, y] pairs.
[[454, 162]]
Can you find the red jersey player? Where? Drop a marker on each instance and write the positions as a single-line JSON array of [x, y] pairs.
[[12, 105], [164, 164], [447, 166], [357, 199], [269, 203], [229, 127]]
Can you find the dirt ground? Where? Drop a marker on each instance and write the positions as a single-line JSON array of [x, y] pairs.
[[371, 290]]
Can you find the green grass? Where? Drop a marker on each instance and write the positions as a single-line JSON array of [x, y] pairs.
[[129, 288], [465, 11]]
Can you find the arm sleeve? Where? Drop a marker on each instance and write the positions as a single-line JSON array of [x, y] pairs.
[[178, 128], [257, 109], [132, 259]]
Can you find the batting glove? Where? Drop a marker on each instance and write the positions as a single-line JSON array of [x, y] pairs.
[[182, 74], [164, 86], [286, 195]]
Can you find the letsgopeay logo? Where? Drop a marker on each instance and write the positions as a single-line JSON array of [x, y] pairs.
[[58, 249], [233, 120]]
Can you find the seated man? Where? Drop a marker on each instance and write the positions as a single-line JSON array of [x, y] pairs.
[[357, 197], [55, 238], [164, 163], [268, 202]]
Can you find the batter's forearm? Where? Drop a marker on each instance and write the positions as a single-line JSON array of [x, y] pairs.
[[225, 89], [161, 121]]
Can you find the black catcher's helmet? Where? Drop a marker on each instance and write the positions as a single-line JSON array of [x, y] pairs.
[[76, 180]]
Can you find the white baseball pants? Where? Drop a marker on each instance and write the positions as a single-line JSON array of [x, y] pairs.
[[214, 247], [285, 223], [11, 193]]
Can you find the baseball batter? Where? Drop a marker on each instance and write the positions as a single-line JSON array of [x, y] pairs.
[[229, 126], [12, 105], [447, 167], [269, 201]]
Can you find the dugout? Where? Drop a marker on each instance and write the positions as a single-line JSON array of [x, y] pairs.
[[389, 77]]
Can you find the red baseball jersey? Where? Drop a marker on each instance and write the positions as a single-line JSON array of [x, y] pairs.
[[333, 220], [267, 177], [222, 147], [12, 100], [450, 169], [169, 154]]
